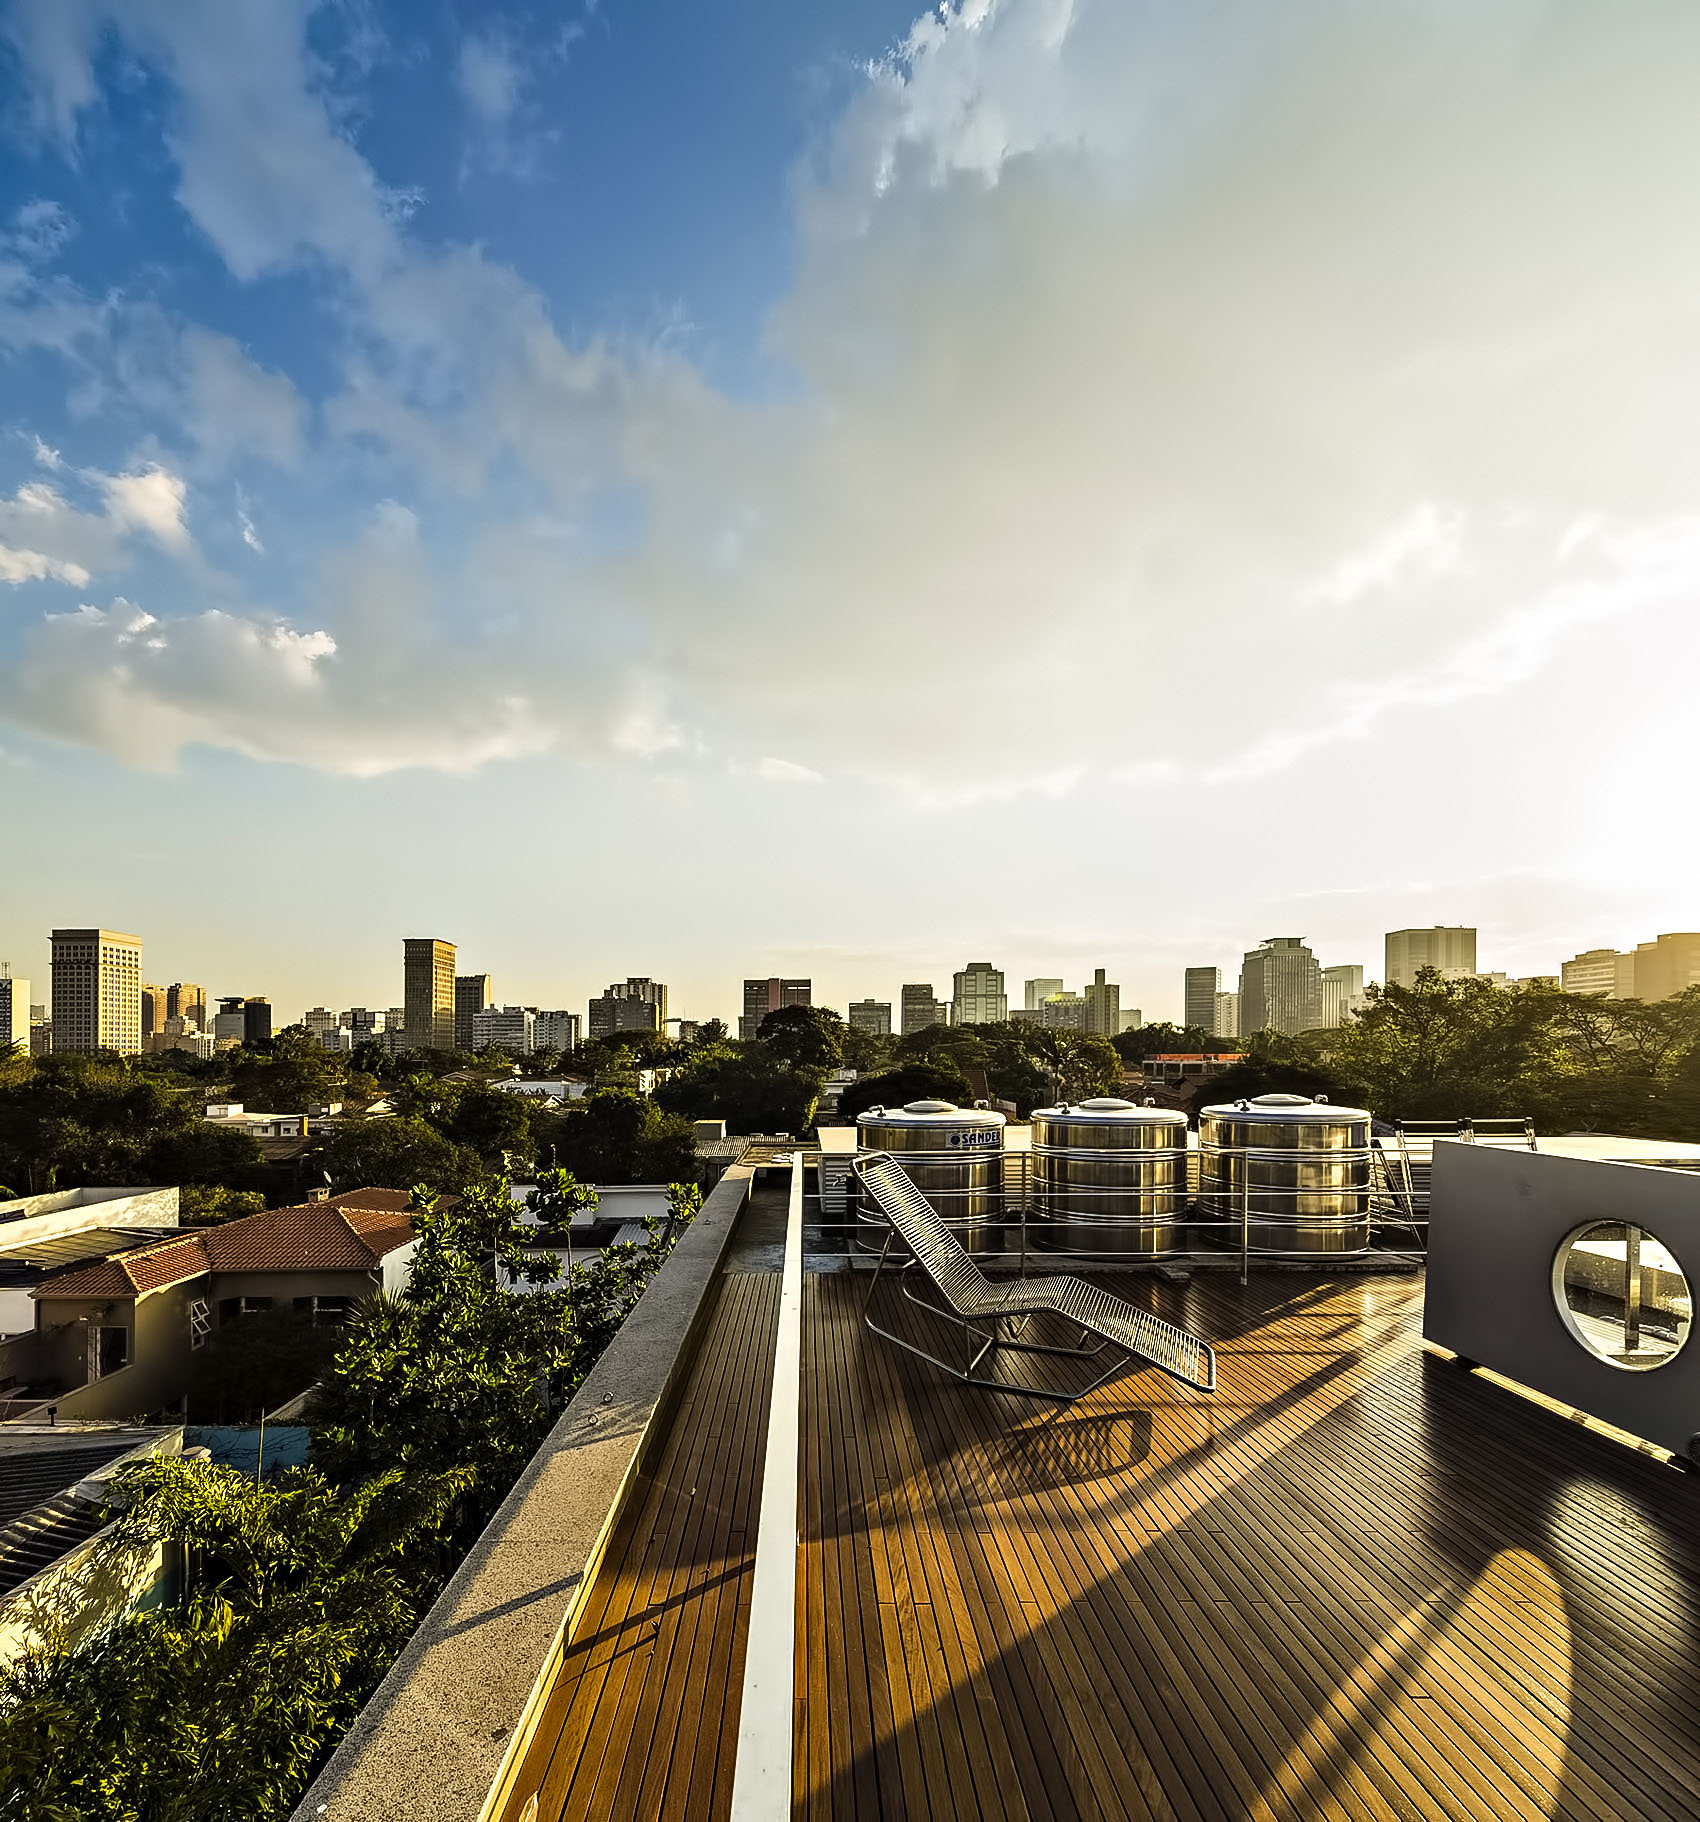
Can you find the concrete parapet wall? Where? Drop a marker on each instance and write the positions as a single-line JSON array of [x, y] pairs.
[[436, 1734]]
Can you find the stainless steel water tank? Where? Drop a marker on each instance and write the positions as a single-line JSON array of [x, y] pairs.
[[955, 1156], [1109, 1177], [1299, 1168]]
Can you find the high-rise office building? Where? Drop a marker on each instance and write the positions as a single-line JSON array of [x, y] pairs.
[[1034, 993], [507, 1027], [979, 998], [472, 994], [1280, 987], [97, 991], [256, 1019], [765, 996], [321, 1024], [873, 1016], [1607, 973], [187, 1000], [1103, 1006], [920, 1009], [154, 1013], [1667, 965], [1202, 987], [14, 1011], [230, 1022], [556, 1030], [1342, 994], [1449, 947], [428, 992], [1063, 1012], [1225, 1020], [636, 1004]]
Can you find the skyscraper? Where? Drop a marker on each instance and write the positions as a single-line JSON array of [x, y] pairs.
[[511, 1028], [97, 991], [920, 1009], [1227, 1020], [557, 1030], [1036, 992], [187, 1000], [765, 996], [256, 1020], [637, 1004], [1449, 947], [1663, 967], [1202, 987], [1280, 987], [1342, 994], [979, 998], [154, 1013], [1610, 973], [14, 1011], [428, 992], [472, 994], [873, 1016], [1103, 1006]]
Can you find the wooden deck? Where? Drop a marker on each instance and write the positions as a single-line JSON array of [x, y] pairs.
[[1357, 1584]]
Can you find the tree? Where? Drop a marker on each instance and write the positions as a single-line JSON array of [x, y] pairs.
[[396, 1153], [301, 1593], [205, 1205], [748, 1085], [1155, 1040], [295, 1073], [898, 1087], [619, 1137], [804, 1038], [866, 1051]]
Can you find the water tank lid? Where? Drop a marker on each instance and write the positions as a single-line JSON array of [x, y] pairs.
[[1282, 1100], [929, 1107], [1106, 1103]]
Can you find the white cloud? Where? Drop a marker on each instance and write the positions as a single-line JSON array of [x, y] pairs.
[[1179, 391], [150, 500], [785, 771]]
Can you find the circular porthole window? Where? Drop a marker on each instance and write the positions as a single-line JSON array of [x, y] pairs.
[[1622, 1295]]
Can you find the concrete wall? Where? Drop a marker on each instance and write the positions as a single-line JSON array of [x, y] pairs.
[[437, 1733], [160, 1356], [1496, 1225]]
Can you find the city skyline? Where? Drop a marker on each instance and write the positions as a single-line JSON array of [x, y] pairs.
[[388, 449]]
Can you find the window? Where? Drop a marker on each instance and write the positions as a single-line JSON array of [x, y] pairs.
[[1622, 1295], [200, 1321]]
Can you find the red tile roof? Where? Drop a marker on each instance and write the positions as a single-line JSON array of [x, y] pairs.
[[313, 1237]]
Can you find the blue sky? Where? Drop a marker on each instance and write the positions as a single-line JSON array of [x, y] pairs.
[[706, 491]]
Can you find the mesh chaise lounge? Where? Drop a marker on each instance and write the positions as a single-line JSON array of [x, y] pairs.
[[994, 1315]]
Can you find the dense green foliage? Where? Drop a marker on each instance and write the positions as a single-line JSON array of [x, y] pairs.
[[1020, 1062], [72, 1120], [301, 1591], [395, 1154], [768, 1083], [1444, 1049], [617, 1136]]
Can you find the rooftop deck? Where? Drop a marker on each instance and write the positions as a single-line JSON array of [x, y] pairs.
[[1357, 1583]]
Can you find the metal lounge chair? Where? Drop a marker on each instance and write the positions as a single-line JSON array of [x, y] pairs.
[[993, 1314]]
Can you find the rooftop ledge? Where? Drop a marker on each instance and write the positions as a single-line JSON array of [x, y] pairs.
[[435, 1734]]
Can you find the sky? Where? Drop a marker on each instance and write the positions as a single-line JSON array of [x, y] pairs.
[[643, 488]]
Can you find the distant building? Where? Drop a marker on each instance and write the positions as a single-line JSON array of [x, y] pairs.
[[920, 1009], [1103, 1006], [230, 1021], [1202, 987], [185, 1000], [1132, 1018], [637, 1004], [1036, 992], [979, 998], [872, 1016], [1063, 1012], [256, 1020], [1225, 1019], [556, 1031], [1280, 987], [1449, 947], [97, 991], [1342, 994], [507, 1027], [321, 1022], [14, 1011], [1606, 973], [1667, 966], [154, 1013], [472, 994], [428, 992], [763, 997]]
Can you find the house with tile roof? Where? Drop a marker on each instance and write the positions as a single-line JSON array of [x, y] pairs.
[[117, 1337]]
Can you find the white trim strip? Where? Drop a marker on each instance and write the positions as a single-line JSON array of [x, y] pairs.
[[761, 1779]]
